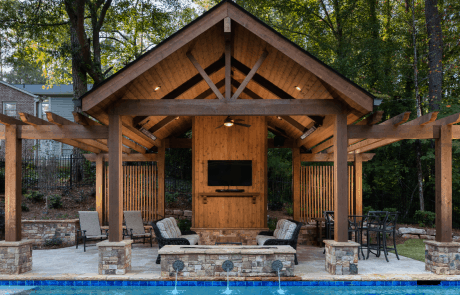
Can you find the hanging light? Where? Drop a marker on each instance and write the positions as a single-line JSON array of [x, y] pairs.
[[228, 122]]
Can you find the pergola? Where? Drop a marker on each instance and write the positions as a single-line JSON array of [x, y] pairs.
[[229, 63]]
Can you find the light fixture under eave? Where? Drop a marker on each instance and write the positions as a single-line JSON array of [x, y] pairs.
[[308, 132], [298, 88], [157, 88], [279, 118], [147, 133], [228, 122]]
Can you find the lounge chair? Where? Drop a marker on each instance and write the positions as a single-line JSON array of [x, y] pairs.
[[286, 233], [168, 233], [135, 227], [90, 228]]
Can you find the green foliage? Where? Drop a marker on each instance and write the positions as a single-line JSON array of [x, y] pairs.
[[412, 248], [34, 196], [289, 210], [425, 218], [366, 209], [272, 221], [171, 197], [275, 206], [390, 209], [55, 201], [55, 241], [24, 208], [184, 225]]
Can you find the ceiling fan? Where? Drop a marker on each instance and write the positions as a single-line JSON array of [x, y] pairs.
[[230, 122]]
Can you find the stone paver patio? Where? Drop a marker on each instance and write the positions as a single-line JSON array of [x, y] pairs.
[[70, 263]]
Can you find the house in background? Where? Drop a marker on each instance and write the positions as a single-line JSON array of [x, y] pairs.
[[35, 99]]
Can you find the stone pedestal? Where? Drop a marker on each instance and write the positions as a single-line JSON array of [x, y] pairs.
[[15, 257], [442, 258], [341, 257], [114, 257]]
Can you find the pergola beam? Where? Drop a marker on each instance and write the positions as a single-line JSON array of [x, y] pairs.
[[250, 75], [330, 157], [204, 75], [238, 107]]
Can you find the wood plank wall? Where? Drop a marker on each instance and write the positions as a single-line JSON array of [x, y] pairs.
[[140, 191], [229, 143], [317, 191]]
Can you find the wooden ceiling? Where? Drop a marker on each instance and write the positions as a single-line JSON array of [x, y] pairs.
[[177, 77]]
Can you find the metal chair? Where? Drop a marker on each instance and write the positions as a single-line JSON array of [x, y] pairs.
[[329, 224], [90, 228], [382, 223]]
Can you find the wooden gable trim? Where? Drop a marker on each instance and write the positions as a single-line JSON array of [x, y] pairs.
[[150, 59], [359, 100]]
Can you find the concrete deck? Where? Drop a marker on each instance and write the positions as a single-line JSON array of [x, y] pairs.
[[74, 264]]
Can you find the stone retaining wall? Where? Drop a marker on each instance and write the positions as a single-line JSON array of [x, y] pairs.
[[420, 233], [41, 231], [179, 214]]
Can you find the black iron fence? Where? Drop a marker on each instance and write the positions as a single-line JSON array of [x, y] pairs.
[[49, 173]]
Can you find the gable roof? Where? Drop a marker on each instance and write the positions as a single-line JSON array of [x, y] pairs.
[[19, 89]]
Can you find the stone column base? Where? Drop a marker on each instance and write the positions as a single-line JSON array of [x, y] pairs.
[[442, 258], [341, 257], [15, 257], [114, 257]]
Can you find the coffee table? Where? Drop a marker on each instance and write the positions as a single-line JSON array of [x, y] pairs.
[[228, 240]]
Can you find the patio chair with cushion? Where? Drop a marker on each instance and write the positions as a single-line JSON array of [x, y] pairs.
[[286, 233], [90, 228], [168, 233], [135, 227]]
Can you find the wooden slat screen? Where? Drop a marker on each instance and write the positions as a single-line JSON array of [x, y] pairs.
[[317, 191], [140, 191]]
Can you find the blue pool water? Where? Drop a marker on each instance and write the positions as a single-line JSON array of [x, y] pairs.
[[236, 288]]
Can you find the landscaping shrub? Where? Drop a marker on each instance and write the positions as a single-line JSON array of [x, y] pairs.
[[171, 197], [425, 218], [24, 208], [272, 223], [34, 196], [55, 202], [184, 225], [55, 241], [275, 206], [289, 210], [390, 209], [367, 209]]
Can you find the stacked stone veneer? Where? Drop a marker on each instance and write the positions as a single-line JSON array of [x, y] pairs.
[[179, 214], [341, 257], [420, 233], [40, 231], [206, 261], [114, 257], [442, 258], [15, 257], [246, 236]]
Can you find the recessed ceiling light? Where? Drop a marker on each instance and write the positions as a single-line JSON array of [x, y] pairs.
[[279, 118], [298, 88], [157, 88], [177, 118]]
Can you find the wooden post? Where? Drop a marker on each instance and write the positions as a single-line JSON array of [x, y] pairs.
[[358, 189], [115, 179], [13, 190], [296, 183], [161, 181], [443, 163], [340, 179], [100, 186]]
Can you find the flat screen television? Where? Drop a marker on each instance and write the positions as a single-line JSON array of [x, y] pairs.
[[230, 173]]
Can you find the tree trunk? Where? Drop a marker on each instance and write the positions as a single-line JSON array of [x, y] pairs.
[[79, 77], [433, 26]]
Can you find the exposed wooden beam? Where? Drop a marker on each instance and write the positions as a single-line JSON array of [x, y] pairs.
[[115, 179], [297, 205], [250, 75], [330, 157], [29, 132], [204, 75], [85, 121], [358, 188], [319, 134], [450, 120], [246, 90], [276, 131], [370, 144], [178, 143], [293, 123], [228, 70], [400, 132], [99, 185], [125, 158], [214, 107], [84, 135], [162, 123], [7, 120]]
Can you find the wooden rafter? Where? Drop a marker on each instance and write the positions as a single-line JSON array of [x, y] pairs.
[[228, 57], [204, 75], [60, 121], [85, 121], [293, 123], [250, 75], [31, 120], [162, 123], [330, 157], [125, 157]]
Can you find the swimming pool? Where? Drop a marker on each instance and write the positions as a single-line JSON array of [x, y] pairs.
[[218, 287]]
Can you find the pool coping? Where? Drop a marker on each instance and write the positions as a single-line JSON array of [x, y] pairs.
[[141, 283]]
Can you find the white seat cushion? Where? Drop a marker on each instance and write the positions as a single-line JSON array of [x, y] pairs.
[[290, 230], [261, 239], [175, 228], [193, 239], [164, 229]]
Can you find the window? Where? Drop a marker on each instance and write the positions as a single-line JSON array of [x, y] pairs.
[[45, 108], [9, 109]]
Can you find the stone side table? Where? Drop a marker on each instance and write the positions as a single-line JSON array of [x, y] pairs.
[[15, 257], [114, 257], [442, 258], [341, 257]]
